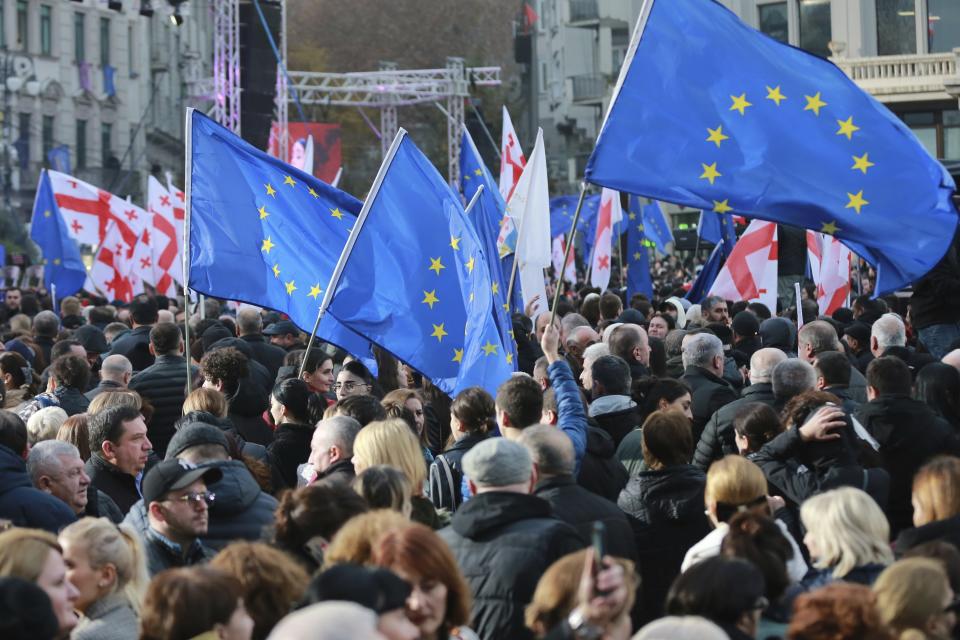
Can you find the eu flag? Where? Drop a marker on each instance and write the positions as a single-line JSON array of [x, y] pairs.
[[62, 266], [413, 279], [711, 114], [637, 254], [562, 209], [655, 226], [708, 274], [718, 229], [264, 232], [485, 217]]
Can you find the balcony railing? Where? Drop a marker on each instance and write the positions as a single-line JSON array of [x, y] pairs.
[[584, 11], [589, 88], [902, 75]]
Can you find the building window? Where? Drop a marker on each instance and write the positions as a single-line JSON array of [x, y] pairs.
[[943, 25], [620, 42], [46, 30], [47, 136], [81, 144], [938, 131], [79, 38], [106, 142], [23, 139], [104, 42], [22, 25], [3, 25], [896, 27], [951, 135], [773, 20], [815, 31]]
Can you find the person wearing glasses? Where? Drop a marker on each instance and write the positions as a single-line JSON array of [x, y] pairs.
[[175, 492], [354, 379]]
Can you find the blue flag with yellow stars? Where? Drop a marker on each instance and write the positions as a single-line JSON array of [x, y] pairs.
[[414, 280], [264, 232], [637, 254], [712, 114], [708, 274], [485, 217], [62, 266], [562, 209], [656, 227], [718, 229]]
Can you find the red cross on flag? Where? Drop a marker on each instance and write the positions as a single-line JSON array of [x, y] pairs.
[[610, 214], [830, 268], [512, 163], [88, 212], [166, 241], [559, 250], [750, 272], [114, 273]]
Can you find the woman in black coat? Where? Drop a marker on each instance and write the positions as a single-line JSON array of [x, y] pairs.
[[289, 406]]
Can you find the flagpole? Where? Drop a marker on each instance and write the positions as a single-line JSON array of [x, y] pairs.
[[566, 253], [53, 296], [187, 188], [352, 240]]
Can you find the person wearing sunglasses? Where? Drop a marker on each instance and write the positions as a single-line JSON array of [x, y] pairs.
[[177, 499]]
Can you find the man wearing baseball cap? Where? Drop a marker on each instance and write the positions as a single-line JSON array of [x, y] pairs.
[[285, 334], [175, 492]]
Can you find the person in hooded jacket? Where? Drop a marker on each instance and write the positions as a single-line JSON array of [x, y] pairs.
[[289, 406], [241, 510], [612, 408], [665, 504], [907, 431], [227, 370]]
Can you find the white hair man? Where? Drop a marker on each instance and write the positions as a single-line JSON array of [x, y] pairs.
[[703, 359], [56, 468]]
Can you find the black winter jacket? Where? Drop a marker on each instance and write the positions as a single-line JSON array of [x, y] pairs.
[[164, 384], [290, 448], [121, 487], [71, 400], [25, 505], [100, 505], [946, 530], [446, 493], [269, 355], [717, 439], [580, 508], [617, 415], [909, 433], [936, 296], [707, 394], [135, 345], [104, 385], [601, 472], [503, 542]]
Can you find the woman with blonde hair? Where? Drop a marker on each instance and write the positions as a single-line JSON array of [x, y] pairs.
[[847, 537], [76, 431], [105, 562], [391, 442], [736, 485], [35, 556], [206, 399], [936, 505], [109, 399], [915, 599]]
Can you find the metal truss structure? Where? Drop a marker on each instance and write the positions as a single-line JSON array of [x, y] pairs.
[[226, 64]]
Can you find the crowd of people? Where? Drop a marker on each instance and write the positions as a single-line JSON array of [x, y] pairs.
[[655, 470]]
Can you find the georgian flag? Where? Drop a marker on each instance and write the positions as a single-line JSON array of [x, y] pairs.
[[750, 273], [610, 213], [165, 241]]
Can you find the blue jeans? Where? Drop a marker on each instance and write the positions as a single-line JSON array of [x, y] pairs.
[[937, 338]]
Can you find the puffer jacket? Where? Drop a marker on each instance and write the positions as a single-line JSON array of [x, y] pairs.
[[164, 384], [25, 505], [135, 345], [503, 542], [717, 439], [617, 415]]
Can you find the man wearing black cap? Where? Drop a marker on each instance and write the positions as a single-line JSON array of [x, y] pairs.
[[176, 496], [746, 334], [136, 344], [285, 334]]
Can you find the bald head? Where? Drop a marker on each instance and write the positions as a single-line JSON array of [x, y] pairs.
[[629, 341], [762, 363], [551, 450], [116, 368], [249, 321], [165, 316]]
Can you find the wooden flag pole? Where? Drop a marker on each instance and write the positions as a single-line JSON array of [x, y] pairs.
[[566, 253]]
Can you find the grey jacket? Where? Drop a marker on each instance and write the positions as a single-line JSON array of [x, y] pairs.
[[110, 618]]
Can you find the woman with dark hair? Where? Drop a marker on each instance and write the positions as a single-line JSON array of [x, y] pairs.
[[317, 370], [651, 394], [182, 604], [18, 379], [289, 406], [354, 379], [727, 591], [938, 385], [755, 425], [660, 325], [473, 416]]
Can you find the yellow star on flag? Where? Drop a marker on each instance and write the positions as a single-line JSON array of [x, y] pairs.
[[775, 95], [455, 243], [509, 358], [862, 163], [430, 298], [267, 245], [458, 355], [710, 172], [336, 213], [314, 291], [506, 307], [438, 332], [637, 255], [270, 190], [436, 265], [56, 261], [313, 193], [478, 172], [489, 348], [290, 287], [632, 216], [263, 212], [814, 103], [495, 288], [847, 128], [716, 135], [47, 214], [722, 206], [471, 263], [830, 228], [740, 103], [288, 180], [857, 201], [276, 270]]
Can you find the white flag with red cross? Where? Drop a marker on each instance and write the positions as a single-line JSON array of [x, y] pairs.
[[512, 163], [113, 271], [165, 241], [830, 269], [89, 210], [610, 213], [750, 273]]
